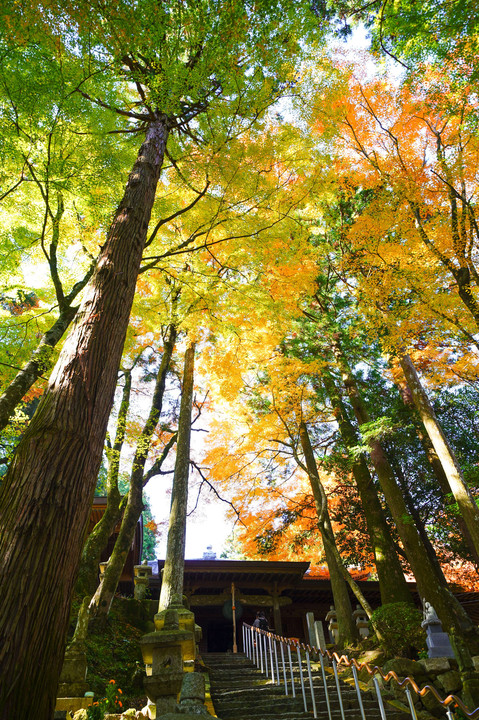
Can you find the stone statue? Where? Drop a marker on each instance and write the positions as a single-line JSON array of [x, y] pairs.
[[430, 616], [438, 644]]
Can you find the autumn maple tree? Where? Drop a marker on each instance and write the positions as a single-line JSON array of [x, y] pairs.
[[324, 256]]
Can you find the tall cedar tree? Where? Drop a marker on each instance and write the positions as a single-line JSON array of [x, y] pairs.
[[184, 60]]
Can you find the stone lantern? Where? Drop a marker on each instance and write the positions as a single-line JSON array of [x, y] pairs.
[[362, 621], [162, 654], [143, 573], [332, 619], [186, 620]]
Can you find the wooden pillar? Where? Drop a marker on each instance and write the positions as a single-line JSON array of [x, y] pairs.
[[278, 625]]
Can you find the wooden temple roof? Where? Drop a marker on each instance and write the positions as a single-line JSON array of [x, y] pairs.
[[246, 572], [290, 578]]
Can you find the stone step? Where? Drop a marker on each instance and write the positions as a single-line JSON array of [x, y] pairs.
[[241, 692]]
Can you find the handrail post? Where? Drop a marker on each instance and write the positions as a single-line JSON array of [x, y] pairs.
[[358, 692], [301, 678], [293, 689], [276, 659], [338, 688], [269, 636], [259, 641], [310, 677], [413, 709], [380, 700], [281, 644], [325, 685], [265, 651]]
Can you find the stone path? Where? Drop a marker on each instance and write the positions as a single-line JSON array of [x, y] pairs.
[[239, 691]]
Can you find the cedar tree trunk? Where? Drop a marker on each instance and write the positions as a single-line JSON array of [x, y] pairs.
[[87, 578], [172, 581], [45, 498]]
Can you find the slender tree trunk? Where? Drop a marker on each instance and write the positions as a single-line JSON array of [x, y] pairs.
[[392, 583], [41, 360], [348, 631], [457, 484], [172, 581], [101, 601], [39, 364], [453, 617], [436, 466], [414, 512], [45, 498], [97, 540]]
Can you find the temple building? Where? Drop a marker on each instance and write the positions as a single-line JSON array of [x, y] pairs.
[[283, 590]]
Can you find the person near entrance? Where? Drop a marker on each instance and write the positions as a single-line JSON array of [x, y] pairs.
[[260, 621]]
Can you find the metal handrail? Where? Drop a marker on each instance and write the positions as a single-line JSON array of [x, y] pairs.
[[250, 648]]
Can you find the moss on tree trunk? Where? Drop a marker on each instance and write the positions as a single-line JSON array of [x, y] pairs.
[[172, 580]]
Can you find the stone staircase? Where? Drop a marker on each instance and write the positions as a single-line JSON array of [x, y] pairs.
[[239, 691]]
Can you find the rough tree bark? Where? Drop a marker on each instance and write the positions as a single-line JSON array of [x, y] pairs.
[[458, 486], [172, 581], [103, 597], [88, 571], [392, 583], [453, 617], [45, 498], [347, 629]]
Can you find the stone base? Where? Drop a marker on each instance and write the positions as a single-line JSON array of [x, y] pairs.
[[77, 689], [438, 646], [438, 643], [166, 705], [73, 703]]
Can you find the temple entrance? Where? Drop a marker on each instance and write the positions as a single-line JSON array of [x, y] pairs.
[[219, 636]]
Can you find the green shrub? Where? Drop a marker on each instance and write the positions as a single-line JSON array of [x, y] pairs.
[[398, 627]]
